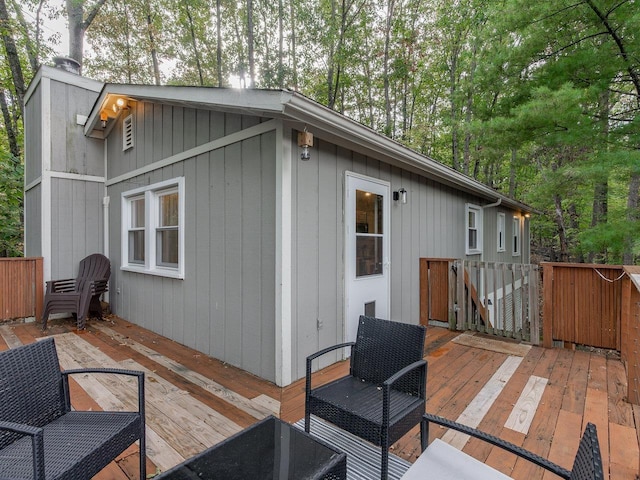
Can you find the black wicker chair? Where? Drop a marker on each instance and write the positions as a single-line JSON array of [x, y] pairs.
[[383, 397], [80, 295], [41, 437], [587, 464]]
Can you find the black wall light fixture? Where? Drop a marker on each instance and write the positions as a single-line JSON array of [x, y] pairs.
[[400, 195]]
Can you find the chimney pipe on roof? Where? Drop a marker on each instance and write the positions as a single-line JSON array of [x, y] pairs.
[[67, 64]]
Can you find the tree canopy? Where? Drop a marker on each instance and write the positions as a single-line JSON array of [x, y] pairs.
[[538, 100]]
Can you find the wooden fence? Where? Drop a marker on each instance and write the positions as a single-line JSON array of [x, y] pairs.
[[630, 326], [499, 299], [582, 304], [21, 288]]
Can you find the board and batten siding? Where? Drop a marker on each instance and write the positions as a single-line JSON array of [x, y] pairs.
[[225, 305], [430, 224], [33, 222], [64, 175], [77, 224], [33, 136], [71, 151]]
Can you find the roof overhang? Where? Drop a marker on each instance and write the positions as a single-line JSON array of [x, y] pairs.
[[302, 112]]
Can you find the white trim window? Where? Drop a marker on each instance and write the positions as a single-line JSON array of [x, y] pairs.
[[153, 229], [473, 228], [516, 236], [501, 231]]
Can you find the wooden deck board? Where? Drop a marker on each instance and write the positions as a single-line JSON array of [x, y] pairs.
[[582, 386]]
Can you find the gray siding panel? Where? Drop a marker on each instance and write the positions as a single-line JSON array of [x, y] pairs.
[[33, 136], [77, 224], [71, 151], [225, 306], [430, 224], [33, 227]]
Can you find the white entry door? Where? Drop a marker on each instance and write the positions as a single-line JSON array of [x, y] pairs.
[[367, 262]]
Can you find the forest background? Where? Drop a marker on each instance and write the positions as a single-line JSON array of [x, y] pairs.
[[538, 100]]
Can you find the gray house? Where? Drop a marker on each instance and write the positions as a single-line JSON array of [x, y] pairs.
[[254, 226]]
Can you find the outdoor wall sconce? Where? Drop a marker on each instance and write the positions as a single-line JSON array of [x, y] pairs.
[[400, 195], [104, 118], [305, 140], [119, 104]]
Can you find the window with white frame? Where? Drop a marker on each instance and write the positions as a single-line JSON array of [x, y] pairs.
[[516, 236], [473, 226], [501, 231], [153, 229]]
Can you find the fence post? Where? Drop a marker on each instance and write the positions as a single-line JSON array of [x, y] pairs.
[[547, 310], [39, 287], [424, 291]]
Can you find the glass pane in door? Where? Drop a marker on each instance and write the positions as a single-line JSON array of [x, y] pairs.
[[369, 233]]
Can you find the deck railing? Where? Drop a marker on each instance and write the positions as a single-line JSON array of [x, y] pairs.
[[21, 288], [630, 325], [582, 304]]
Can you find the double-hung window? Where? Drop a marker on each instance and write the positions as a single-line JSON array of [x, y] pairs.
[[473, 226], [153, 229], [501, 231], [516, 236]]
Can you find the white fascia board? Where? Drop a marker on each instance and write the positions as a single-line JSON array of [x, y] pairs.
[[252, 101]]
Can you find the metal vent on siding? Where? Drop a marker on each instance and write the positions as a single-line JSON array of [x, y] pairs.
[[127, 133]]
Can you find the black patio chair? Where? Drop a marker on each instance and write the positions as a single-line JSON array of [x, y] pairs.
[[586, 466], [41, 437], [80, 295], [383, 397]]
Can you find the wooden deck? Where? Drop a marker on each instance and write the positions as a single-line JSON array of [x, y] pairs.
[[539, 398]]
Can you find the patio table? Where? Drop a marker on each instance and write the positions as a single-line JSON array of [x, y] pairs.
[[269, 449]]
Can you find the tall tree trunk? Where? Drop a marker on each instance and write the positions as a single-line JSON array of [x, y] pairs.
[[280, 44], [633, 215], [152, 45], [194, 44], [12, 55], [453, 86], [388, 127], [601, 188], [242, 67], [250, 43], [294, 55], [12, 137], [127, 27], [468, 115], [32, 47], [513, 174], [558, 218], [78, 25], [219, 44]]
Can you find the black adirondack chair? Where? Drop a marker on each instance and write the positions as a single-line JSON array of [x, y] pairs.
[[41, 437], [383, 397], [80, 295]]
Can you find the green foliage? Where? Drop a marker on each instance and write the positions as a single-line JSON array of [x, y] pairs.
[[11, 206]]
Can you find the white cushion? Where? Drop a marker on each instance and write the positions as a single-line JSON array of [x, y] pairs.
[[441, 461]]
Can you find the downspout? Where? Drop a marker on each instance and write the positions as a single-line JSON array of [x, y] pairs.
[[105, 216], [491, 205]]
